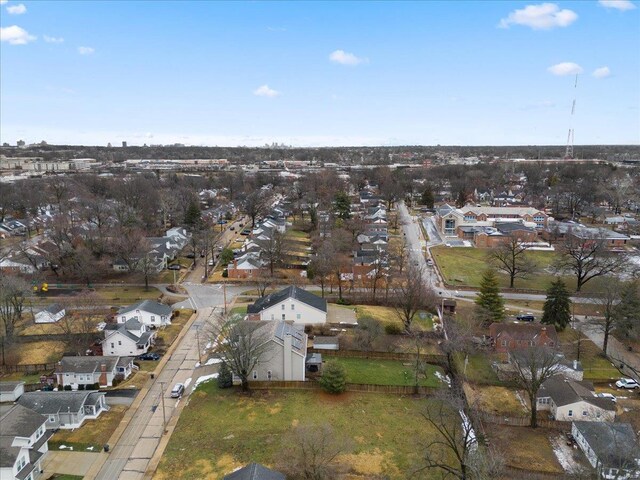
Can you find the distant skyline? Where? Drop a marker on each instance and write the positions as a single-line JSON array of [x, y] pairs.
[[319, 73]]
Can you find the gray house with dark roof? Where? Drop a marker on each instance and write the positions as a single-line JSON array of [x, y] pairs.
[[23, 443], [569, 400], [255, 471], [131, 338], [611, 448], [150, 313], [66, 410], [291, 304]]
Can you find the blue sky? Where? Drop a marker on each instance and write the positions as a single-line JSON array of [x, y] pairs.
[[313, 73]]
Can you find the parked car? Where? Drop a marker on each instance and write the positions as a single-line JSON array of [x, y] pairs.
[[526, 317], [175, 266], [211, 263], [246, 231], [221, 222], [149, 356], [190, 255], [628, 383], [609, 396], [232, 228], [178, 390]]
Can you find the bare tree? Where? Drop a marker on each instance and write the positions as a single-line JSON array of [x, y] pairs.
[[78, 324], [14, 292], [455, 451], [321, 266], [412, 294], [588, 258], [368, 332], [254, 205], [607, 299], [262, 282], [511, 258], [310, 451], [533, 366], [274, 250], [241, 344], [399, 254]]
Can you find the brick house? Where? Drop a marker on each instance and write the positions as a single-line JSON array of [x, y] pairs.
[[511, 336]]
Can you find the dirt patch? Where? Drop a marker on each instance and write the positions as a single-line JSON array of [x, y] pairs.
[[515, 444], [277, 408], [227, 463], [494, 400], [332, 398], [295, 422], [375, 462]]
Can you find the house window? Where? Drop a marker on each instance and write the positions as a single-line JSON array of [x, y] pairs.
[[153, 318], [255, 375], [52, 418], [570, 413], [283, 306], [504, 343], [119, 342], [272, 317], [283, 316], [298, 316], [584, 413], [293, 306], [124, 319], [112, 345], [269, 374]]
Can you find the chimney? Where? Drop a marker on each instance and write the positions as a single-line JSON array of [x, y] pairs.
[[103, 374], [575, 364], [235, 263], [287, 356]]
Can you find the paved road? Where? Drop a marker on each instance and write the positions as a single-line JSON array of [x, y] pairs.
[[130, 457]]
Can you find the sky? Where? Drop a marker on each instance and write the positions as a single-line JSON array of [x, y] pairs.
[[319, 73]]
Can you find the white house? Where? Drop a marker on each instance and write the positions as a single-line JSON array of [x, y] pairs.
[[150, 313], [131, 338], [285, 358], [23, 443], [291, 304], [76, 371], [569, 400], [66, 410], [611, 448], [52, 314], [11, 391]]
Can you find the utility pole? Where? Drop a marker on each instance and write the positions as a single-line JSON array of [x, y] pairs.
[[164, 417], [198, 341], [224, 293]]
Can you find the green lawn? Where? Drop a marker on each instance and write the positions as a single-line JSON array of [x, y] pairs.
[[92, 433], [478, 369], [127, 295], [465, 266], [597, 368], [64, 476], [220, 430], [389, 315], [239, 309], [386, 372]]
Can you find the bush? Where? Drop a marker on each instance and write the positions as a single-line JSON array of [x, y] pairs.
[[81, 386], [95, 386], [67, 388], [334, 377], [343, 301], [225, 273], [392, 329], [225, 378]]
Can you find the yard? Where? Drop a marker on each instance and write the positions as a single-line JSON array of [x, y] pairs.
[[31, 353], [386, 372], [220, 430], [63, 326], [390, 315], [465, 266], [494, 400], [478, 370], [239, 309], [167, 335], [597, 368], [92, 433]]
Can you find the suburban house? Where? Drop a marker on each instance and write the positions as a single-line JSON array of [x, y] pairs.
[[285, 357], [611, 448], [510, 336], [23, 443], [66, 410], [568, 400], [10, 391], [148, 312], [558, 231], [248, 265], [131, 338], [76, 371], [571, 369], [254, 471], [52, 314], [291, 304]]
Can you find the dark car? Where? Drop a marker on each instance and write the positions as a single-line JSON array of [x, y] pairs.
[[174, 267], [526, 317], [149, 356], [190, 255], [246, 231]]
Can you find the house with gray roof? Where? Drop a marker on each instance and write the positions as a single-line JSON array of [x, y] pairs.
[[65, 409], [51, 314], [291, 304], [255, 471], [153, 314], [76, 371], [569, 400], [285, 358], [611, 448], [11, 391], [23, 443], [130, 338]]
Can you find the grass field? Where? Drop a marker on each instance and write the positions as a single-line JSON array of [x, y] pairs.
[[34, 352], [220, 430], [239, 309], [478, 369], [465, 266], [389, 315], [62, 326], [494, 400], [386, 372], [92, 433], [525, 448], [597, 368], [167, 335]]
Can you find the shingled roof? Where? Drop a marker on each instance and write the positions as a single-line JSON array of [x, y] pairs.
[[255, 471], [614, 444], [148, 306], [47, 403], [522, 331], [289, 292], [564, 391]]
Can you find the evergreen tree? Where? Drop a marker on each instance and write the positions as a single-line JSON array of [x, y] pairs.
[[334, 377], [489, 301], [342, 205], [192, 215], [628, 309], [427, 198], [225, 378], [557, 307]]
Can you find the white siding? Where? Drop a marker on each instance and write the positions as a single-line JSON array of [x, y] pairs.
[[301, 314]]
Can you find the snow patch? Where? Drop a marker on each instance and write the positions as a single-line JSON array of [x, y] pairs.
[[565, 455], [204, 379], [197, 364], [187, 382], [90, 448], [467, 427], [443, 378], [64, 447], [213, 361]]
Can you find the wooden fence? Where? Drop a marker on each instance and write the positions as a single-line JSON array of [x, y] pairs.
[[522, 421], [32, 368], [351, 387], [404, 357]]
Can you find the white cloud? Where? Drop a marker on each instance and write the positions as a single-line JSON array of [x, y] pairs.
[[621, 5], [17, 9], [540, 17], [85, 50], [49, 39], [15, 35], [265, 91], [2, 2], [346, 58], [565, 68], [602, 72]]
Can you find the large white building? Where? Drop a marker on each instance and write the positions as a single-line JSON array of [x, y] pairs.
[[291, 304], [147, 312]]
